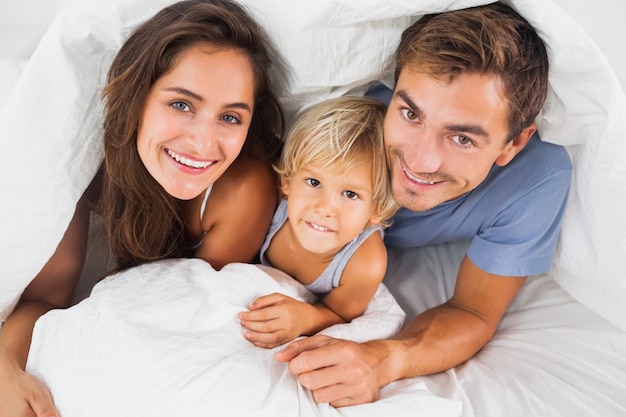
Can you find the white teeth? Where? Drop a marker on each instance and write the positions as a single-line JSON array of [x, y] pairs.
[[320, 228], [420, 181], [186, 161]]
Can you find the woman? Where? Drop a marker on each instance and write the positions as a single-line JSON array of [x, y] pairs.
[[192, 126]]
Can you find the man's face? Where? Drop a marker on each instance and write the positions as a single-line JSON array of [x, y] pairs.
[[442, 139]]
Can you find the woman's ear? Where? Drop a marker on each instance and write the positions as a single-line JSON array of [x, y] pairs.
[[515, 145]]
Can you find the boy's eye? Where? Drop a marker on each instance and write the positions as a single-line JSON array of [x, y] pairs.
[[351, 195], [312, 182]]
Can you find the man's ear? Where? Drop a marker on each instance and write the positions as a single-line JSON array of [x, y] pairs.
[[515, 145], [284, 185]]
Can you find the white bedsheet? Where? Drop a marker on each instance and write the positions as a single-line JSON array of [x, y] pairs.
[[164, 340], [551, 356]]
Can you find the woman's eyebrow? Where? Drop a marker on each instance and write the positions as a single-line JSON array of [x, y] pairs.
[[185, 92], [240, 105]]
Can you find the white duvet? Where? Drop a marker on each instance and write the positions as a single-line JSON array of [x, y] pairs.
[[164, 340]]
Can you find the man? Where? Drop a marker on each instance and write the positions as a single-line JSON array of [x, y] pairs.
[[465, 165]]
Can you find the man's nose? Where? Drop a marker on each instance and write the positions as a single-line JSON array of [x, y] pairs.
[[425, 154]]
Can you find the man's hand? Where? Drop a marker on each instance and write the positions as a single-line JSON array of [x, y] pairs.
[[337, 371], [347, 373]]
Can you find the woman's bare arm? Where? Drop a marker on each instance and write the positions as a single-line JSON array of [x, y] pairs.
[[53, 287]]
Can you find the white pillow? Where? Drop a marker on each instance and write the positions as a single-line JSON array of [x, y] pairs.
[[59, 132]]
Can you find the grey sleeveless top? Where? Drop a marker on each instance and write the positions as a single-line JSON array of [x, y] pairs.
[[329, 279]]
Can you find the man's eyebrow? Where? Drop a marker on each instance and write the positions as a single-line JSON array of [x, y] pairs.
[[186, 92], [409, 102], [454, 127], [468, 128]]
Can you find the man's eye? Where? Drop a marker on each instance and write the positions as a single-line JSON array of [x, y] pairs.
[[351, 195], [409, 114], [180, 105], [312, 182], [462, 140]]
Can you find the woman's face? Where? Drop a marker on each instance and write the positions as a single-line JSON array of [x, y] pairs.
[[196, 118]]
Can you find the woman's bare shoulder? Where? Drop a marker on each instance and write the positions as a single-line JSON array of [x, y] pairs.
[[247, 174]]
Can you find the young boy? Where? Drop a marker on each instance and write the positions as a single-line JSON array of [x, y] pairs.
[[327, 230]]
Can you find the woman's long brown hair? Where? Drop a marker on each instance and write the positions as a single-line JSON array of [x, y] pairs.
[[142, 221]]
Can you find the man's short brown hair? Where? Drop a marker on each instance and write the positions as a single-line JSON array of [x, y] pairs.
[[487, 40]]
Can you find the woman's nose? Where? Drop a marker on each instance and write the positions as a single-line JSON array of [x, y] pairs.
[[203, 136]]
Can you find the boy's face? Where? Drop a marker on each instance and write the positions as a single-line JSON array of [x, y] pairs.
[[442, 139], [328, 207]]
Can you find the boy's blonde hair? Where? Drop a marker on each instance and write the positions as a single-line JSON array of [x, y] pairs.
[[342, 132]]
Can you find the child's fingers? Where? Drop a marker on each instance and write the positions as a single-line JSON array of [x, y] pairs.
[[266, 340], [264, 314], [262, 326], [266, 301]]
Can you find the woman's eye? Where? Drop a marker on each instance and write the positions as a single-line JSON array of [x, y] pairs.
[[231, 119], [462, 140], [312, 182], [180, 105], [351, 195], [410, 115]]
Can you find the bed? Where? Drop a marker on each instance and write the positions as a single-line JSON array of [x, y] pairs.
[[161, 339]]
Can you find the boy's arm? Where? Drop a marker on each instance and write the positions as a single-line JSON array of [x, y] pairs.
[[360, 279], [275, 319]]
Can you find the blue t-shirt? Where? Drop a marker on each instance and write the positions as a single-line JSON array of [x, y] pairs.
[[512, 218]]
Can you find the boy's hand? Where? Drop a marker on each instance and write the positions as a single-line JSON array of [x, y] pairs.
[[275, 319]]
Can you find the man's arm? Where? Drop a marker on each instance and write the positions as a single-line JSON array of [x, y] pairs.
[[346, 373]]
